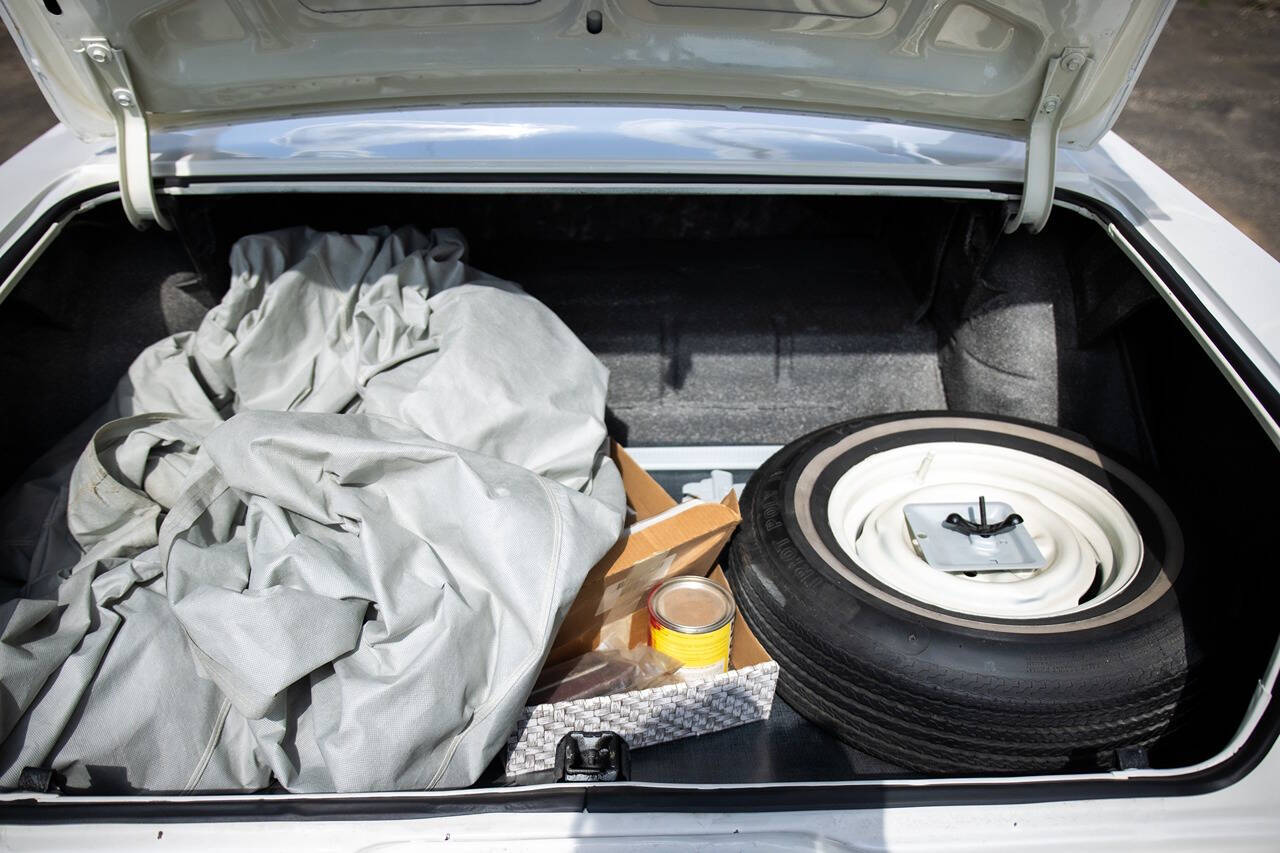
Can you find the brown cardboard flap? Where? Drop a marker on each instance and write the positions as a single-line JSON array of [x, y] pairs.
[[746, 649], [644, 495], [665, 539]]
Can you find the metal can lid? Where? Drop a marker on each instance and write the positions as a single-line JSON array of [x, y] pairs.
[[691, 605]]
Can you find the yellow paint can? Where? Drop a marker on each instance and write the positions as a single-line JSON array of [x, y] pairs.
[[691, 619]]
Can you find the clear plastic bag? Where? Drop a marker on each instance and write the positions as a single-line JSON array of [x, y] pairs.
[[603, 671]]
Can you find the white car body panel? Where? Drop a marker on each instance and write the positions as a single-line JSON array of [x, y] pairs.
[[1236, 280], [973, 66], [1052, 73], [1240, 817]]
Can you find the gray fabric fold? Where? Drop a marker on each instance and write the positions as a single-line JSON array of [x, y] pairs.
[[324, 540]]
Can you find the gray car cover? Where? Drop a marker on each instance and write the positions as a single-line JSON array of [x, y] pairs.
[[322, 541]]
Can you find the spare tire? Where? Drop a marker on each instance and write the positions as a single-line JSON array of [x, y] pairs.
[[1011, 671]]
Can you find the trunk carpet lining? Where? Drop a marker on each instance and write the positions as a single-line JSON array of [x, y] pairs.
[[723, 320]]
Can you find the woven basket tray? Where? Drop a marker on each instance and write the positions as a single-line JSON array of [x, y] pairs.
[[645, 717]]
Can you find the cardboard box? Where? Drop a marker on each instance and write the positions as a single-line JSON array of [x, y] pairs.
[[745, 650], [743, 694], [662, 540]]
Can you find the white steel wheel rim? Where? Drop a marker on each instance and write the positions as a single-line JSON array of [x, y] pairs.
[[1082, 531]]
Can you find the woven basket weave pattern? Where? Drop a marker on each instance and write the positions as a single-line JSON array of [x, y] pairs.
[[645, 717]]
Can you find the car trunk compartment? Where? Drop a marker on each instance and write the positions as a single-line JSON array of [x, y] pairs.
[[722, 319], [736, 319]]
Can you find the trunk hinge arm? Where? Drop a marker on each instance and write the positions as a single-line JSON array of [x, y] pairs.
[[1061, 84], [133, 138]]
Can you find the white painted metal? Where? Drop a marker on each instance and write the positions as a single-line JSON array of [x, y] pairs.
[[960, 65], [1079, 528], [1063, 79], [729, 457], [1232, 278], [133, 138], [45, 174], [1241, 817], [1264, 418]]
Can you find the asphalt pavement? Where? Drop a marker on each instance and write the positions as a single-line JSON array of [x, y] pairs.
[[1206, 109]]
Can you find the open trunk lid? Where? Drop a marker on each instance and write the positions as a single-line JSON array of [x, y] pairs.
[[1053, 72]]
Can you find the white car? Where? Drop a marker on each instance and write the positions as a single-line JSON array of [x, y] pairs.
[[764, 217]]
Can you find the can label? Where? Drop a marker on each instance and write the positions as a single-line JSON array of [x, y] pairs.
[[702, 655]]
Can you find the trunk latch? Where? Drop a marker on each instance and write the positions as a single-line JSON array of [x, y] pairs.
[[593, 757], [41, 780]]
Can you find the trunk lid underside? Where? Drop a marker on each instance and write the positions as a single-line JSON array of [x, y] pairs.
[[963, 65]]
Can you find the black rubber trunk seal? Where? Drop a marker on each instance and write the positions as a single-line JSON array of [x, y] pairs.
[[631, 798]]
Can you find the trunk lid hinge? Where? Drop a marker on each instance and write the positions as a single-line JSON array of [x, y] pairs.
[[1061, 84], [133, 138]]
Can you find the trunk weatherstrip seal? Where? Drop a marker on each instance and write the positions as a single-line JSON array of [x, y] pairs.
[[616, 798]]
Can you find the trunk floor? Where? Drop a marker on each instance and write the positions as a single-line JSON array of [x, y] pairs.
[[784, 748]]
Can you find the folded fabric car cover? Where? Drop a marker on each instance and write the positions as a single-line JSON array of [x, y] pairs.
[[325, 540]]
